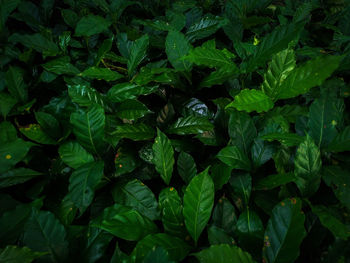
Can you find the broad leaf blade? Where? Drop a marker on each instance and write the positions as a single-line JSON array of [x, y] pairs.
[[163, 156], [176, 47], [137, 53], [91, 25], [198, 204], [190, 125], [234, 158], [74, 155]]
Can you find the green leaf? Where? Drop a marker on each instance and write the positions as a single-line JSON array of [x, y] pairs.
[[91, 25], [261, 152], [35, 133], [138, 51], [323, 118], [13, 152], [83, 182], [172, 217], [186, 167], [14, 254], [284, 232], [209, 56], [338, 180], [234, 158], [220, 173], [241, 130], [101, 73], [96, 245], [219, 76], [124, 91], [6, 8], [205, 27], [251, 100], [273, 43], [61, 66], [136, 132], [250, 229], [273, 181], [341, 142], [17, 176], [280, 67], [49, 124], [7, 103], [223, 254], [309, 75], [124, 222], [190, 125], [15, 84], [198, 204], [307, 167], [86, 96], [45, 233], [176, 47], [242, 187], [74, 155], [37, 42], [131, 110], [338, 228], [137, 195], [217, 236], [288, 139], [8, 132], [88, 127], [176, 247], [163, 156], [224, 216], [159, 255]]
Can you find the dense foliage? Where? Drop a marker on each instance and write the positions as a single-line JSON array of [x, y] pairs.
[[157, 131]]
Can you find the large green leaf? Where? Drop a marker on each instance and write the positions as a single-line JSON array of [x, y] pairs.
[[261, 152], [74, 155], [86, 96], [7, 103], [14, 254], [284, 232], [251, 100], [15, 84], [337, 227], [339, 180], [83, 182], [136, 132], [176, 47], [190, 125], [44, 233], [241, 130], [124, 91], [137, 53], [341, 142], [223, 254], [273, 181], [324, 115], [307, 167], [163, 156], [176, 247], [6, 8], [49, 124], [208, 55], [131, 110], [17, 176], [101, 73], [234, 158], [273, 43], [219, 76], [91, 25], [137, 195], [13, 152], [220, 173], [309, 75], [198, 204], [186, 167], [205, 27], [97, 242], [61, 66], [36, 133], [8, 132], [280, 67], [171, 207], [124, 222], [88, 127], [37, 41], [242, 187]]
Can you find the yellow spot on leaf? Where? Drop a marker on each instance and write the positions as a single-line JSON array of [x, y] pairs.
[[334, 122], [283, 204], [256, 41], [120, 165], [8, 156], [171, 189]]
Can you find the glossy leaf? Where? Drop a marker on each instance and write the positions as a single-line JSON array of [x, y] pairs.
[[190, 125], [341, 142], [131, 110], [284, 232], [198, 204], [204, 28], [74, 155], [251, 100], [234, 158], [273, 181], [137, 53], [83, 182], [35, 133], [137, 195], [307, 167], [91, 25], [124, 91], [136, 132], [125, 223], [223, 254], [88, 127], [17, 176], [101, 73], [176, 47], [61, 66], [18, 254], [186, 167]]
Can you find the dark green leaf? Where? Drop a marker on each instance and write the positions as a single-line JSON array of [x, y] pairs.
[[186, 167], [74, 155], [14, 254], [190, 125], [136, 132], [17, 176], [176, 47], [138, 51], [131, 110], [15, 84], [234, 158], [101, 73], [91, 25]]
